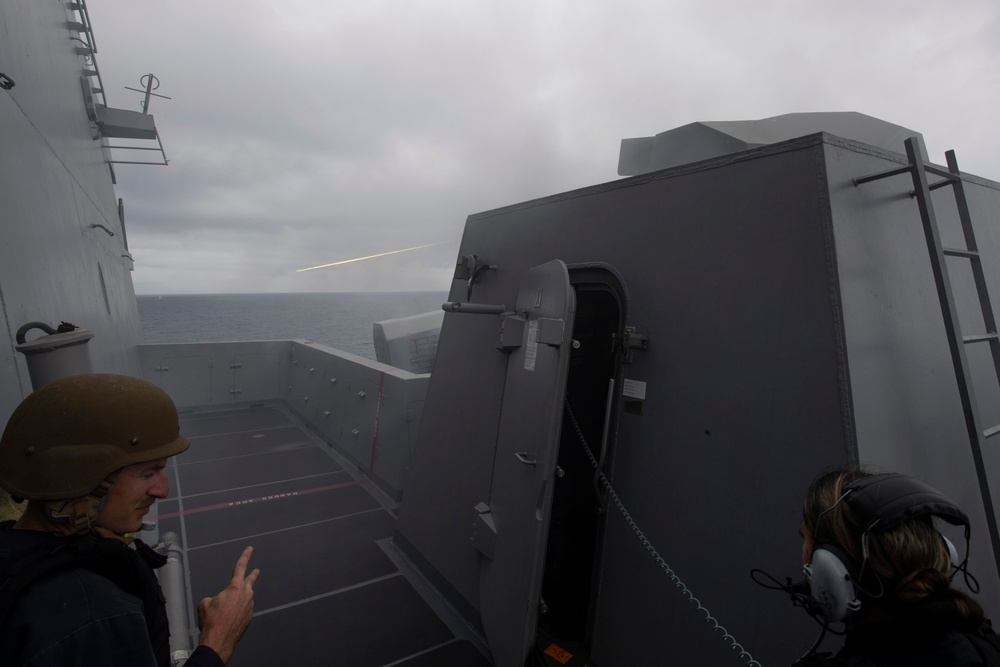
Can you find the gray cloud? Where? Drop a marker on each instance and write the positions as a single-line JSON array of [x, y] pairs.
[[307, 132]]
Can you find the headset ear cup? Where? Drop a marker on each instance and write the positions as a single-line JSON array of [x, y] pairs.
[[831, 582], [952, 551]]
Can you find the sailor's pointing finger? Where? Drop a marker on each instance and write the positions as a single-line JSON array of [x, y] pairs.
[[240, 569]]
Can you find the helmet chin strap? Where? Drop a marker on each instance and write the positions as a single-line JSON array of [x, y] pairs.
[[82, 512], [104, 532]]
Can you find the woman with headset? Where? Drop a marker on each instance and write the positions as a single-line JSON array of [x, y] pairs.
[[876, 562]]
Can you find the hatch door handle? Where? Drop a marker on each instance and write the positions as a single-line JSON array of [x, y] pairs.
[[526, 458]]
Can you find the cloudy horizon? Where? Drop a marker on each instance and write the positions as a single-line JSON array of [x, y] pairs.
[[311, 133]]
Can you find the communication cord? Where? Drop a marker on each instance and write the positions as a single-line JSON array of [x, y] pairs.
[[667, 570]]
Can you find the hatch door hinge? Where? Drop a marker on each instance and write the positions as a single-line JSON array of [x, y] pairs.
[[551, 330], [631, 341]]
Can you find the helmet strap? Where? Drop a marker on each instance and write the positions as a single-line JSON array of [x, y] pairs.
[[82, 512]]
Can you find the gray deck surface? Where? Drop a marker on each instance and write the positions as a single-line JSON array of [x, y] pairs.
[[333, 589]]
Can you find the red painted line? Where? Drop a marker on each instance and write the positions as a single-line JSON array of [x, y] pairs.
[[259, 499], [378, 414]]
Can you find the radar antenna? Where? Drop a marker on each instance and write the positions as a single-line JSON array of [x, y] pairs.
[[149, 83]]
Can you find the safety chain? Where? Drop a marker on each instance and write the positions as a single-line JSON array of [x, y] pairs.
[[6, 82], [667, 570]]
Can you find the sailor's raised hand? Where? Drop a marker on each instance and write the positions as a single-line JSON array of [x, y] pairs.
[[224, 618]]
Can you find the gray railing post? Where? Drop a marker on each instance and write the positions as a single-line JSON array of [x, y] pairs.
[[171, 578]]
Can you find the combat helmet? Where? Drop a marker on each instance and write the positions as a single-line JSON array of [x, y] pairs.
[[69, 437]]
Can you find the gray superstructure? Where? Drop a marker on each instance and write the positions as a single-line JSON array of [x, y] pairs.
[[787, 319], [64, 255]]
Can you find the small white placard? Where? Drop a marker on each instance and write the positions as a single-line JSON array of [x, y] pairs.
[[634, 389], [531, 349]]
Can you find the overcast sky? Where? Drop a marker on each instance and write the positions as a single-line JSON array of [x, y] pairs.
[[307, 132]]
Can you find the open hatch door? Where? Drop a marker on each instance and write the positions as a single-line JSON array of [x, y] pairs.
[[513, 526]]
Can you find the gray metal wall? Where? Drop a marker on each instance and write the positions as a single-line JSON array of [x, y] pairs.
[[55, 185], [368, 411], [906, 403]]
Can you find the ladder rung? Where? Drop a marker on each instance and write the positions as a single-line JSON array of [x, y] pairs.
[[990, 432], [958, 252], [883, 174], [943, 173], [979, 338]]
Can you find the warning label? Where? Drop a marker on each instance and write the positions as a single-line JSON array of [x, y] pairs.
[[634, 389], [558, 653], [531, 349]]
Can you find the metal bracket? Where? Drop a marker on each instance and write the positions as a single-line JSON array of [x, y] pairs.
[[511, 333], [469, 269], [6, 82], [635, 341], [473, 308], [465, 267], [484, 531], [631, 341], [550, 331]]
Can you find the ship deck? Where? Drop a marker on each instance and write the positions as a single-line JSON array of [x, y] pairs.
[[333, 588]]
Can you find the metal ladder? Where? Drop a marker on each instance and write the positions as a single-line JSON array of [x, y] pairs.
[[918, 170]]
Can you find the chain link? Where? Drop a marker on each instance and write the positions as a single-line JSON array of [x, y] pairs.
[[654, 554]]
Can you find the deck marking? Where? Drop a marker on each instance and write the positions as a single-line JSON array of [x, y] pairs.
[[296, 446], [331, 473], [296, 603], [426, 651], [260, 499], [298, 526], [378, 413]]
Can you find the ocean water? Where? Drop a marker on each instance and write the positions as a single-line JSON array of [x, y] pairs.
[[341, 320]]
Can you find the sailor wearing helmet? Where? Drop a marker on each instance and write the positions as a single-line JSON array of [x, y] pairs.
[[88, 453]]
